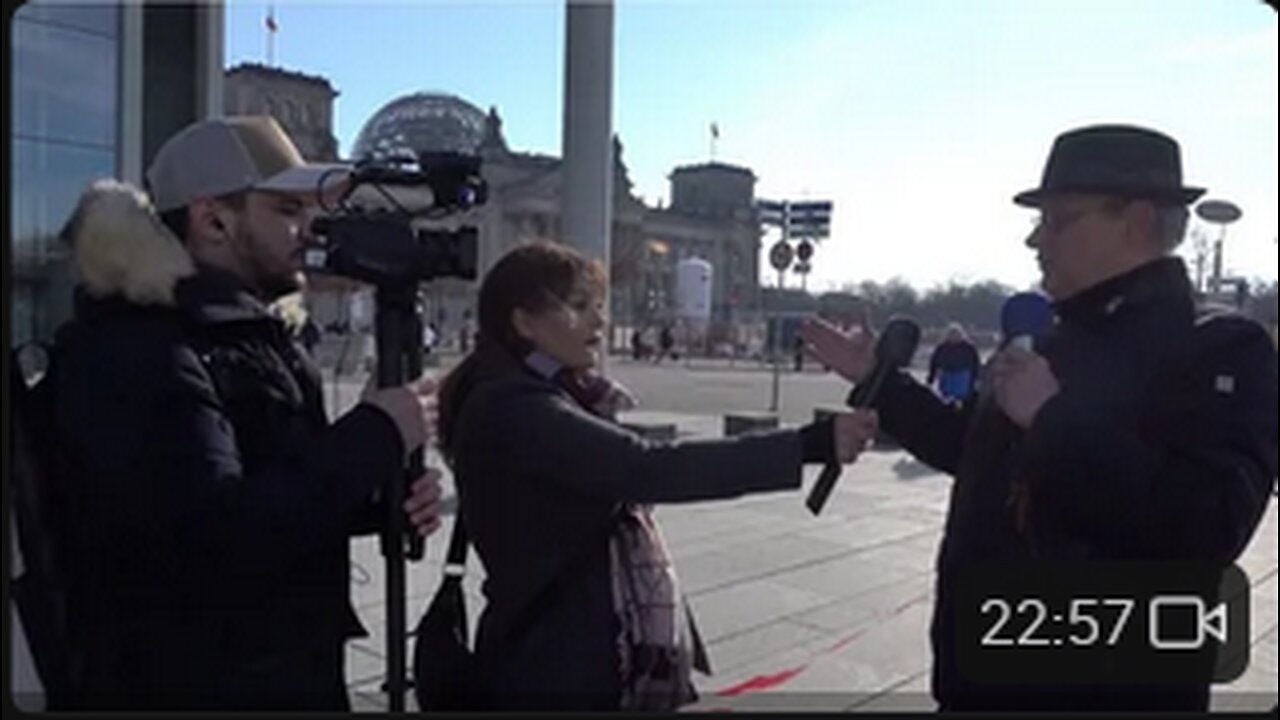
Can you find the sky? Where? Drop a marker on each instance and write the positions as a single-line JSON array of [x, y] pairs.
[[919, 120]]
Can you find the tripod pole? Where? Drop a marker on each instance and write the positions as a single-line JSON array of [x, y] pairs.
[[399, 342]]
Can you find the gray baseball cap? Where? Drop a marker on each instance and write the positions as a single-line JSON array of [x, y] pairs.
[[230, 154]]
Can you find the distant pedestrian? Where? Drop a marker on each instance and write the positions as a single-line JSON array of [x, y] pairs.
[[954, 366], [638, 349], [429, 338], [666, 342]]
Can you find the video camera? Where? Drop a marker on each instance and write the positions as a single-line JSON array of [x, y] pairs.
[[370, 234], [374, 234]]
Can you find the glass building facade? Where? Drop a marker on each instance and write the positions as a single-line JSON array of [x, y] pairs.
[[64, 133], [95, 89]]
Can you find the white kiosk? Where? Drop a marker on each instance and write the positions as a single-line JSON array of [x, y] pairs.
[[694, 277]]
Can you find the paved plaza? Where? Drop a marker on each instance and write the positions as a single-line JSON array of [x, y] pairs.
[[799, 613]]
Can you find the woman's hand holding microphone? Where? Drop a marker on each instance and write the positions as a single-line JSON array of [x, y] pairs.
[[838, 438], [854, 432]]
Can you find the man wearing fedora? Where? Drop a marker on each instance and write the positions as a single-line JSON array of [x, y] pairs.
[[208, 501], [1143, 428]]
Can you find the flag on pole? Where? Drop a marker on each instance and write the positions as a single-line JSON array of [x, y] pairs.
[[272, 27], [715, 131]]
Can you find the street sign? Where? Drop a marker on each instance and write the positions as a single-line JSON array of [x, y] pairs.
[[772, 213], [804, 251], [816, 232], [819, 207], [803, 267], [780, 255], [811, 219]]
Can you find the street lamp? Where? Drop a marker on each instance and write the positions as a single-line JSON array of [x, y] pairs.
[[1200, 249], [1221, 213]]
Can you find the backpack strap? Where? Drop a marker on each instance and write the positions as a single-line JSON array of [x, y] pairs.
[[30, 479], [455, 570], [456, 557], [39, 593]]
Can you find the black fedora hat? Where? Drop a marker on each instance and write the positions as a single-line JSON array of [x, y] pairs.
[[1119, 160]]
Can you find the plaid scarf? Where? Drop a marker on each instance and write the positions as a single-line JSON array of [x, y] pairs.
[[654, 645]]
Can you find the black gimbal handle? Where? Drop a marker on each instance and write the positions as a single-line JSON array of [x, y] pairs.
[[399, 359]]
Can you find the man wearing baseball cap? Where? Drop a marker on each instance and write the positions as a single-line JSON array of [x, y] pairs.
[[209, 500], [242, 172], [1141, 428]]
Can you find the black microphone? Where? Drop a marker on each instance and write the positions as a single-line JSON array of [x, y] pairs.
[[1025, 319], [894, 350]]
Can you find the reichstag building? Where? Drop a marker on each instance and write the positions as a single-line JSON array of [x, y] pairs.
[[710, 216]]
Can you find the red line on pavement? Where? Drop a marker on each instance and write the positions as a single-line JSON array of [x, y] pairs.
[[844, 642], [768, 682], [762, 682], [922, 596]]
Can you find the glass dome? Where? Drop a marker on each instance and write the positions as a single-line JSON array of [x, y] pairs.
[[421, 122]]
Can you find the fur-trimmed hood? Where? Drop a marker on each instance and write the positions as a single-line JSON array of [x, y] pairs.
[[120, 248]]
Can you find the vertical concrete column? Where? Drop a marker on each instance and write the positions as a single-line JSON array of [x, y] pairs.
[[587, 192], [130, 142], [210, 40]]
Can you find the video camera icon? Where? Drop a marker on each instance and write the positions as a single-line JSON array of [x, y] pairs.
[[1167, 629]]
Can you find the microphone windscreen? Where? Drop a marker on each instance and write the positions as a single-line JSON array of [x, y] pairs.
[[898, 343], [1026, 314]]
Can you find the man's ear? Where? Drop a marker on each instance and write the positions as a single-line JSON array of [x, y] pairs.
[[209, 221]]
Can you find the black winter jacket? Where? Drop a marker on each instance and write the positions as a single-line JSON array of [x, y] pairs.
[[1140, 456], [540, 480], [210, 502]]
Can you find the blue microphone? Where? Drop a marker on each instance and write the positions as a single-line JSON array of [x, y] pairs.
[[1025, 318]]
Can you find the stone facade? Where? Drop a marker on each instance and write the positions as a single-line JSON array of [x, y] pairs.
[[302, 104]]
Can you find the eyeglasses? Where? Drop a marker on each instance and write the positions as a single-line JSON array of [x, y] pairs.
[[1051, 224], [1058, 223]]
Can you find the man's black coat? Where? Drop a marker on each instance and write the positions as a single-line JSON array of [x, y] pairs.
[[1160, 445], [209, 502]]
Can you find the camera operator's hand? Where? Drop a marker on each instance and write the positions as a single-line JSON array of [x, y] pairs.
[[851, 355], [854, 431], [412, 407], [424, 505]]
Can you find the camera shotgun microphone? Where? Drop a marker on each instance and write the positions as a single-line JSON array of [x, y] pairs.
[[387, 173], [1025, 318], [893, 352]]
